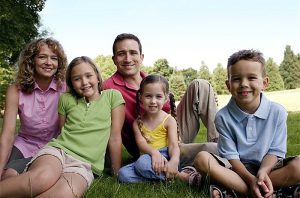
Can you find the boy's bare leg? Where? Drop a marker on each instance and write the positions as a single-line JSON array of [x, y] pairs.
[[287, 175], [206, 164]]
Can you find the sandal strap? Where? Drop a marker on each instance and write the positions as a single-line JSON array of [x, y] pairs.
[[288, 192], [224, 192], [195, 179], [189, 170]]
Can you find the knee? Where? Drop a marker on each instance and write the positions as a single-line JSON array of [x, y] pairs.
[[122, 175], [211, 147], [143, 164], [8, 173], [294, 166], [203, 84], [42, 180], [201, 161]]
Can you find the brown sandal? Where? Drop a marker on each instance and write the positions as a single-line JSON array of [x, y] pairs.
[[194, 176]]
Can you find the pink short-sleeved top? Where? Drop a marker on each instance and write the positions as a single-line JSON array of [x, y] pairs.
[[38, 118]]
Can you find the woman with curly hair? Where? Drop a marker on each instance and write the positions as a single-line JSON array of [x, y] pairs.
[[34, 97]]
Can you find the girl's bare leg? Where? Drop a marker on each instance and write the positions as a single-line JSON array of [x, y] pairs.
[[42, 174], [69, 185], [9, 173]]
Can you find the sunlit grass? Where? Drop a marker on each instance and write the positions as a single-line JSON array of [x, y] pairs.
[[106, 186], [109, 187]]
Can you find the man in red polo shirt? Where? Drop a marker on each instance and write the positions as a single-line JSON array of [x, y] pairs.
[[198, 103]]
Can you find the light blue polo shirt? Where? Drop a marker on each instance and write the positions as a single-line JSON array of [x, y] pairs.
[[249, 137]]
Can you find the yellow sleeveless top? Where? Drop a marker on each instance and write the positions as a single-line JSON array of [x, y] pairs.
[[158, 136]]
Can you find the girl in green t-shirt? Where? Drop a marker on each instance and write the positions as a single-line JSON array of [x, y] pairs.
[[90, 119]]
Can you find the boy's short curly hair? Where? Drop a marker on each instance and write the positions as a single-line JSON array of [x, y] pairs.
[[250, 55]]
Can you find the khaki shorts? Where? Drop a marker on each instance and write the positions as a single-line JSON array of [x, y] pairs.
[[69, 163], [252, 168]]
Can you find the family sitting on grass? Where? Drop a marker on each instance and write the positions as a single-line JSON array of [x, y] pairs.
[[63, 137]]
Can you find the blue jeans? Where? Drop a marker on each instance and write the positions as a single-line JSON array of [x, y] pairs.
[[141, 170]]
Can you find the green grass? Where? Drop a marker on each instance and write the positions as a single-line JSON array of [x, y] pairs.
[[109, 187], [106, 186]]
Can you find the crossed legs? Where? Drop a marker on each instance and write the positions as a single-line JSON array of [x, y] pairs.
[[207, 165], [44, 179]]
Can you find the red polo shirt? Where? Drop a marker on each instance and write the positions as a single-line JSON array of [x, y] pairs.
[[116, 81]]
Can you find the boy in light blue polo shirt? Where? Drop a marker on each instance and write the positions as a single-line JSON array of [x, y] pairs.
[[253, 135]]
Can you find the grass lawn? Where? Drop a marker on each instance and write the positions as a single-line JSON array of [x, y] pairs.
[[106, 186]]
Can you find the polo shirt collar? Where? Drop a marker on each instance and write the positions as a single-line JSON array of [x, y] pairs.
[[262, 111], [119, 79]]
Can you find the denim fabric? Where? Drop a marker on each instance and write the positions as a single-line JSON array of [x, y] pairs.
[[141, 170]]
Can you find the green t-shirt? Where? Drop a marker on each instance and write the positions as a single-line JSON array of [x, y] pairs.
[[87, 127]]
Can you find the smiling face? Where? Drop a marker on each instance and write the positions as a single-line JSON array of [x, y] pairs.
[[245, 83], [153, 97], [127, 57], [46, 63], [85, 81]]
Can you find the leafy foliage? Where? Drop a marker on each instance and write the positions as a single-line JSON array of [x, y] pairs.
[[275, 80], [19, 22], [6, 78], [189, 75], [290, 69], [219, 78], [177, 86], [204, 72], [147, 69], [162, 67], [106, 64]]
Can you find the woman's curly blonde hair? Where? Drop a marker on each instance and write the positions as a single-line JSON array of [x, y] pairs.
[[25, 76]]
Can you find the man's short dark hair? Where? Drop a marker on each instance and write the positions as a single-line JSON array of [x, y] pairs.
[[124, 36]]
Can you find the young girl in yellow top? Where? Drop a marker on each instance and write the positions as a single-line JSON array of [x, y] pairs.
[[155, 133]]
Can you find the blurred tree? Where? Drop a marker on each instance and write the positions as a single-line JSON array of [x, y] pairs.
[[290, 69], [106, 64], [275, 80], [6, 78], [162, 67], [177, 86], [147, 69], [204, 72], [219, 78], [19, 23], [189, 75]]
